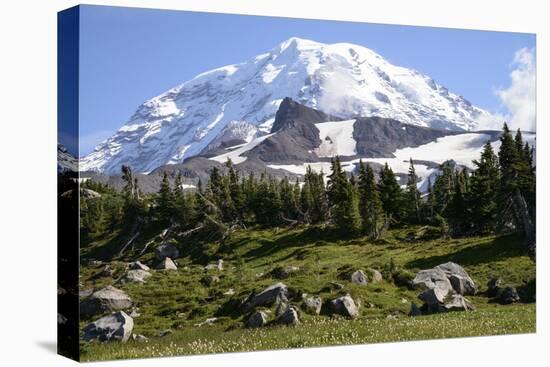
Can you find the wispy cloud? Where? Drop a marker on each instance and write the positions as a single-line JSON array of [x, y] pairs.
[[519, 97]]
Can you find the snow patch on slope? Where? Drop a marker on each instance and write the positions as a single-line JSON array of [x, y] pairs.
[[336, 139], [463, 149], [236, 154]]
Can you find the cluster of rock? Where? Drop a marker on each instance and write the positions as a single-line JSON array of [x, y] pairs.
[[277, 295], [443, 289], [500, 294]]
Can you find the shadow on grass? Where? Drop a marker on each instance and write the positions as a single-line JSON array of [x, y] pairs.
[[499, 249], [309, 237]]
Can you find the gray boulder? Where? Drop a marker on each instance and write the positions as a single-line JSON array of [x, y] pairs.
[[433, 298], [344, 306], [167, 264], [507, 296], [461, 282], [432, 278], [138, 265], [107, 271], [493, 286], [108, 299], [312, 305], [459, 303], [376, 276], [117, 326], [276, 293], [135, 276], [166, 250], [257, 319], [289, 317], [359, 277]]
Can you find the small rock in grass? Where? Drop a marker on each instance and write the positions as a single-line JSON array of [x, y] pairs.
[[138, 265], [359, 277], [257, 319], [289, 317], [167, 264], [312, 305], [344, 306]]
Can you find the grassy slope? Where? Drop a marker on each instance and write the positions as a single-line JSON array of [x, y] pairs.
[[178, 300]]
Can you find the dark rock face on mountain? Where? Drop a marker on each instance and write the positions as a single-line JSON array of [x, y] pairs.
[[380, 137], [296, 135]]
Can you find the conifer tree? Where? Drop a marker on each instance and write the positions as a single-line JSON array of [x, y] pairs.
[[370, 206], [484, 185], [165, 204], [391, 194], [343, 203], [412, 195]]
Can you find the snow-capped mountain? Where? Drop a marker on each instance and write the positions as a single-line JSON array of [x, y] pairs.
[[65, 161], [237, 103]]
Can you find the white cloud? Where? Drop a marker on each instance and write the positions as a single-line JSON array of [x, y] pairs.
[[519, 97]]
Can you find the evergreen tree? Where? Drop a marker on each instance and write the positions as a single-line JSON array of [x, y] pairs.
[[412, 195], [165, 203], [343, 203], [289, 203], [458, 211], [515, 177], [484, 185], [443, 189], [391, 194], [370, 206]]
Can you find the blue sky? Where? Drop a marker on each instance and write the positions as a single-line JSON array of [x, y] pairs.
[[130, 55]]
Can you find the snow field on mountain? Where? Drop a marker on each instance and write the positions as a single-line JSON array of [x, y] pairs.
[[236, 154], [336, 139], [463, 149]]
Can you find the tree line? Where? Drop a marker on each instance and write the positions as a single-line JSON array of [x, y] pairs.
[[497, 196]]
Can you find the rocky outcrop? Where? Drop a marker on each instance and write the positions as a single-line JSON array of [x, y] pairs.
[[459, 278], [108, 299], [115, 327], [276, 293], [443, 288], [344, 306]]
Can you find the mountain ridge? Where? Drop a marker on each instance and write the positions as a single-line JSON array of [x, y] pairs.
[[239, 102]]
